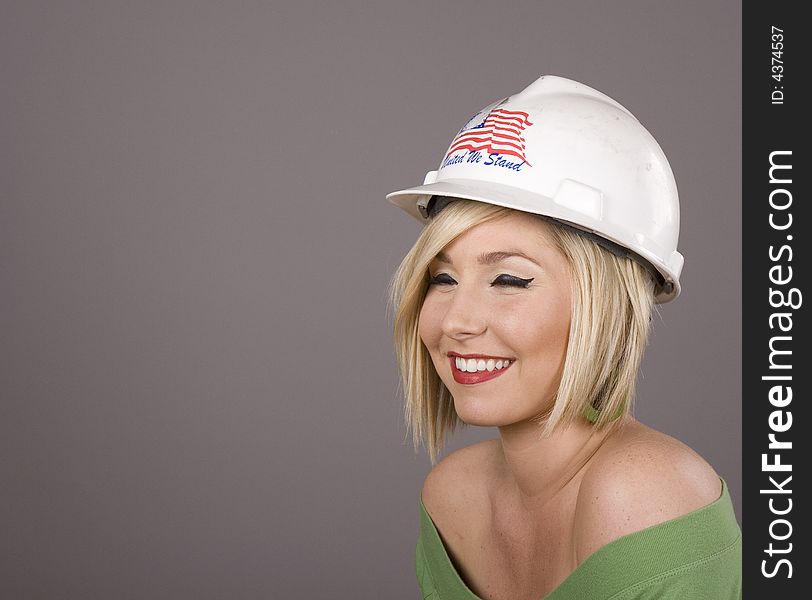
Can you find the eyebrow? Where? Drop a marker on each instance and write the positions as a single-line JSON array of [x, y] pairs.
[[490, 258]]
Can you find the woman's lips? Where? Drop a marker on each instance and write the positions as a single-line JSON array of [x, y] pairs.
[[475, 377]]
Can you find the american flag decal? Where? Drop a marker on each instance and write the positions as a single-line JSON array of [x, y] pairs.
[[499, 132]]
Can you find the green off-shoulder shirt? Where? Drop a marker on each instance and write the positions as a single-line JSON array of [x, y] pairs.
[[694, 557]]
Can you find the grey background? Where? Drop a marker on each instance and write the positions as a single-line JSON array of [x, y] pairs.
[[198, 391]]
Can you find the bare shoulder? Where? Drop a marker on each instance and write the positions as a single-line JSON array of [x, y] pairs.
[[639, 478], [457, 486]]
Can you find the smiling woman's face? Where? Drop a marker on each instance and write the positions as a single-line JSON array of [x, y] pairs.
[[488, 307]]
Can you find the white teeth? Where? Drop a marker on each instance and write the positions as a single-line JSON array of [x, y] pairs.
[[472, 365]]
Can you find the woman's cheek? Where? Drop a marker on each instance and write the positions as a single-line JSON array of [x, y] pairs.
[[429, 323]]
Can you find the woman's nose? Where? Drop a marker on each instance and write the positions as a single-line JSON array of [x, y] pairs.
[[466, 314]]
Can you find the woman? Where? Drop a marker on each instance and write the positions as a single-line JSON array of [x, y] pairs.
[[525, 304]]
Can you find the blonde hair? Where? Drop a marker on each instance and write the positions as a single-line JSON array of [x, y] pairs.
[[612, 302]]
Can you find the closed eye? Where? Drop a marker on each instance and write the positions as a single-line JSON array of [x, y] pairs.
[[440, 279], [501, 281], [511, 281]]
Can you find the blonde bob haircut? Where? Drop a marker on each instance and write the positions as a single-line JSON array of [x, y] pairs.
[[612, 303]]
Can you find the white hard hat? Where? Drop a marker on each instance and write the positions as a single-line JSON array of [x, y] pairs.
[[562, 149]]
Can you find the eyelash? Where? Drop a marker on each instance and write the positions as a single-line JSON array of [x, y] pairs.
[[511, 281]]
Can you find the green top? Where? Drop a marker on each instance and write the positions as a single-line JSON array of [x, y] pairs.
[[694, 557]]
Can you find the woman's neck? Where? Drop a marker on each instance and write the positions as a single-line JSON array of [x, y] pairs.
[[539, 468]]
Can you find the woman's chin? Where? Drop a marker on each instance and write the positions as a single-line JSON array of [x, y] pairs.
[[474, 413]]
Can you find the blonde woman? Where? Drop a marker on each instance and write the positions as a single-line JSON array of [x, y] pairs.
[[550, 235]]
